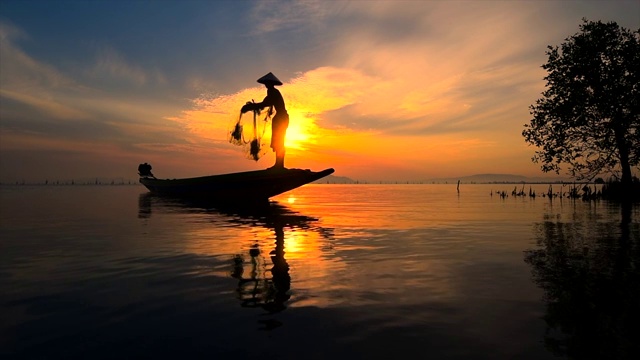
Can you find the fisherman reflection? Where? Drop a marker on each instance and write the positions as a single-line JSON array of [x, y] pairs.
[[592, 290], [259, 288], [263, 279]]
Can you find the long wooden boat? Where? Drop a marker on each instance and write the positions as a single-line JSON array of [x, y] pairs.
[[254, 185]]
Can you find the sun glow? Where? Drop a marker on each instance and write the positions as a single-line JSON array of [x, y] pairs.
[[299, 133]]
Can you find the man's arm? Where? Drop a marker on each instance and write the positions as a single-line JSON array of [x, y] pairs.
[[251, 106]]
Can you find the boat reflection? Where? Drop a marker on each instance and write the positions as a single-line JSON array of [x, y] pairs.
[[589, 270], [263, 275]]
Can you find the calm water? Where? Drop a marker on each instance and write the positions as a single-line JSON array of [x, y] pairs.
[[326, 271]]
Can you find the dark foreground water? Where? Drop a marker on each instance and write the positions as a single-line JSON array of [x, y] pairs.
[[324, 272]]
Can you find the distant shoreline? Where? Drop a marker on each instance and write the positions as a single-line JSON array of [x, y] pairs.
[[319, 182]]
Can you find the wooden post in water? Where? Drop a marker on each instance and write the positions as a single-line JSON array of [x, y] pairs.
[[458, 187]]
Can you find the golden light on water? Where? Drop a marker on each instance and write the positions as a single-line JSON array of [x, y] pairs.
[[298, 243], [295, 244]]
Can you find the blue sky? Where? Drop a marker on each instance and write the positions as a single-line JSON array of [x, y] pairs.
[[379, 90]]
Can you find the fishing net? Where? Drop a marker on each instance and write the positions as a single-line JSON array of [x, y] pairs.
[[252, 143]]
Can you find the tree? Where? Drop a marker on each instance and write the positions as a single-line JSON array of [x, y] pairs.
[[588, 115]]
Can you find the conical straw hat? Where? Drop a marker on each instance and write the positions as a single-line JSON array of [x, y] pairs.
[[270, 79]]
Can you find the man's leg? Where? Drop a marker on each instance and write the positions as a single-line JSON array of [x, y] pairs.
[[280, 158]]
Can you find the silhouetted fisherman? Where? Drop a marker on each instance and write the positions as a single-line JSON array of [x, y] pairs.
[[280, 121]]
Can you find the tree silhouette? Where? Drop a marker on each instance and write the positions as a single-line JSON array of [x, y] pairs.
[[588, 117]]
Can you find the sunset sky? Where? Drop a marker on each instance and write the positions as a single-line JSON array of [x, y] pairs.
[[378, 90]]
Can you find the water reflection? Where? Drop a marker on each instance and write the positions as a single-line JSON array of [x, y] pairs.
[[589, 270], [258, 289], [262, 272]]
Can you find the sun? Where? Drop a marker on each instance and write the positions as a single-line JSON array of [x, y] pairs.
[[296, 137], [299, 132]]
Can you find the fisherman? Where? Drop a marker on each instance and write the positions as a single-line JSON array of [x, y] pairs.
[[280, 122]]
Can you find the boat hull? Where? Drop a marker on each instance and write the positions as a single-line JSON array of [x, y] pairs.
[[254, 185]]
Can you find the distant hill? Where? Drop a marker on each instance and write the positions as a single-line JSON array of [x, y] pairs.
[[332, 179], [497, 178], [477, 178]]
